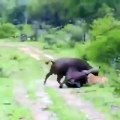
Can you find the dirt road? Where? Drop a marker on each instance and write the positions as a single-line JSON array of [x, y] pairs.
[[71, 99]]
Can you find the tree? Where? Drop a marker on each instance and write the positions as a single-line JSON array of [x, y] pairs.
[[102, 26], [52, 12]]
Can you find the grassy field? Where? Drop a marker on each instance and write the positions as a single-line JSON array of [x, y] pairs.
[[17, 66], [12, 67], [104, 99], [9, 109]]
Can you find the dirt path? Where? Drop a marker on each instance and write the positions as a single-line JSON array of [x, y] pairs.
[[77, 102], [35, 53], [71, 99], [39, 107]]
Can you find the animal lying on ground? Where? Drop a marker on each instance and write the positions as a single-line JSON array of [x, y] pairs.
[[76, 78], [92, 79], [61, 66]]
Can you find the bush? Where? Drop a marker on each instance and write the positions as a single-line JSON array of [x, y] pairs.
[[114, 78], [58, 39], [27, 29], [75, 31], [105, 48], [81, 50], [105, 40], [7, 30], [102, 26]]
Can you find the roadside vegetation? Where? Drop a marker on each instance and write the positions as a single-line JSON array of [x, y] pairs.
[[12, 69]]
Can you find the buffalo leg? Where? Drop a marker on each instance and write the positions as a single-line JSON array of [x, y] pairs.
[[68, 75], [47, 77], [61, 84], [78, 84], [59, 77]]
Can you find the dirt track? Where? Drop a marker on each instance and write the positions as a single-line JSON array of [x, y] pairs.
[[78, 103], [39, 107]]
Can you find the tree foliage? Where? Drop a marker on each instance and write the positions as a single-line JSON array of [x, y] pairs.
[[58, 12], [105, 42], [7, 30], [102, 26], [62, 10]]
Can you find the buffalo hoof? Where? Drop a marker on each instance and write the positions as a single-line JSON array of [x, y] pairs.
[[60, 86]]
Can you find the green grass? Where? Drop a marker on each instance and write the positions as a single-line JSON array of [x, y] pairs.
[[31, 87], [14, 65], [21, 113], [63, 111], [65, 52], [9, 109], [103, 99], [54, 51], [18, 65]]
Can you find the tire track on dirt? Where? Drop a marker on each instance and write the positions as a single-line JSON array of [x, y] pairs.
[[35, 53], [76, 101], [38, 107], [71, 99]]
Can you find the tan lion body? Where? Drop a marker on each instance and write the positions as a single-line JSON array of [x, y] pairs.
[[92, 79]]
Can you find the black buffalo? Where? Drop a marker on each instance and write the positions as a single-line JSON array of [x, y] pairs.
[[61, 66], [77, 79]]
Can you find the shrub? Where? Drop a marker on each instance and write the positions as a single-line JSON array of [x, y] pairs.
[[7, 30], [75, 31], [105, 40], [105, 48], [81, 50], [27, 29], [58, 39], [101, 26]]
